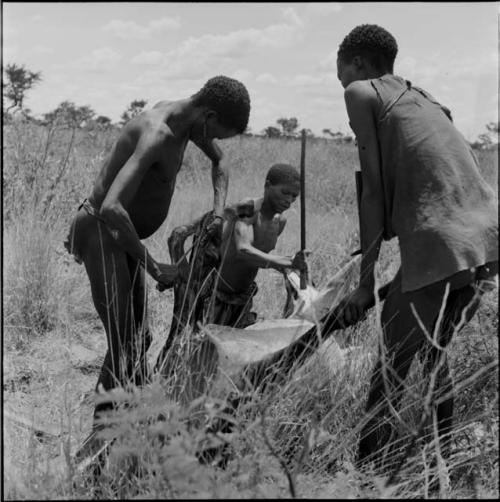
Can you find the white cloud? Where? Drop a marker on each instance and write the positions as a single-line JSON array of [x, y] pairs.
[[323, 9], [165, 24], [10, 53], [9, 31], [127, 87], [305, 80], [195, 58], [130, 29], [99, 59], [290, 15], [148, 58], [266, 78], [329, 62], [406, 65], [42, 49], [241, 74]]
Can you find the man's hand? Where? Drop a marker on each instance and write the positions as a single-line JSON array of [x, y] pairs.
[[299, 260], [167, 277], [353, 306]]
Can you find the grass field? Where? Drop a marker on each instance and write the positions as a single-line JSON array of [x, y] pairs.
[[54, 344]]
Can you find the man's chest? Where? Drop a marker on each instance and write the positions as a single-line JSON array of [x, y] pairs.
[[265, 234]]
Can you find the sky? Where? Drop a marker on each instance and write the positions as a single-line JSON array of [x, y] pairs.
[[105, 55]]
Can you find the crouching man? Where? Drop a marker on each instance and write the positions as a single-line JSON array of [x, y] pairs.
[[250, 232], [221, 280]]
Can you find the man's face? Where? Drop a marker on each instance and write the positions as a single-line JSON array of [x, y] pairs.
[[282, 195], [348, 72], [215, 130], [207, 128]]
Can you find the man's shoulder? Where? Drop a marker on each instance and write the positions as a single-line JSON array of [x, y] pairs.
[[360, 90], [242, 209], [150, 123]]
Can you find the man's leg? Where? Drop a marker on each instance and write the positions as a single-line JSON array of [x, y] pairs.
[[461, 306], [402, 338], [142, 340], [111, 286]]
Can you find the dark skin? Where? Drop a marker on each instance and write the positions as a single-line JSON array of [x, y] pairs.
[[133, 192], [360, 100], [247, 243], [136, 183]]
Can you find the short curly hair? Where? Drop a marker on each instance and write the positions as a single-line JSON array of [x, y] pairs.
[[228, 98], [371, 41], [282, 173]]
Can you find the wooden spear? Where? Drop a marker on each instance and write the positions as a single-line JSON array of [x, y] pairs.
[[303, 273]]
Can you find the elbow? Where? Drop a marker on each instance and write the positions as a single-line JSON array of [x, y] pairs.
[[242, 251], [109, 212], [217, 157], [217, 154]]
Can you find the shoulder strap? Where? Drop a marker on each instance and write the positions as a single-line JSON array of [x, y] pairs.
[[389, 106], [426, 95]]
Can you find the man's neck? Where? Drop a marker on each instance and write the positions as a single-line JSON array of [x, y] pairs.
[[182, 116], [266, 209]]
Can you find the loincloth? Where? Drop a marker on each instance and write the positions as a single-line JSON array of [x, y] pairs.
[[71, 242], [234, 309]]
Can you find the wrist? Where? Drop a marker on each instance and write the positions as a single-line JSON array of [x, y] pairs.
[[284, 264], [153, 269]]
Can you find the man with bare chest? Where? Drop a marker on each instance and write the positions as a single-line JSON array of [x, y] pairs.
[[251, 230], [130, 201]]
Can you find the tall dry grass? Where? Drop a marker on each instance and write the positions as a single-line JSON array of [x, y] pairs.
[[298, 439]]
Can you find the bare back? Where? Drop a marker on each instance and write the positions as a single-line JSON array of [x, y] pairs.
[[150, 204]]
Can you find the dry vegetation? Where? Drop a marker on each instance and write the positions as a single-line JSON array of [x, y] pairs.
[[299, 440]]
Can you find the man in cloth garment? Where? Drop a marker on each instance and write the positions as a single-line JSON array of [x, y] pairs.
[[420, 183], [130, 201]]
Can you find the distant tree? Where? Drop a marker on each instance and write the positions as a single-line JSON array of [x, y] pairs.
[[289, 126], [134, 108], [338, 136], [69, 115], [309, 133], [271, 132], [493, 129], [103, 121], [19, 80], [487, 139]]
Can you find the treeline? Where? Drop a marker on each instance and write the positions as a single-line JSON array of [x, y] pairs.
[[17, 80]]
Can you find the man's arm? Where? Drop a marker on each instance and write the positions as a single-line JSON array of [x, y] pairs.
[[220, 174], [243, 238], [220, 181], [121, 192], [360, 100]]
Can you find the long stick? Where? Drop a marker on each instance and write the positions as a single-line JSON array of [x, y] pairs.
[[303, 273]]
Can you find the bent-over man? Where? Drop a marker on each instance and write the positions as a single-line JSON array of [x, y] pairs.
[[129, 202], [421, 184]]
